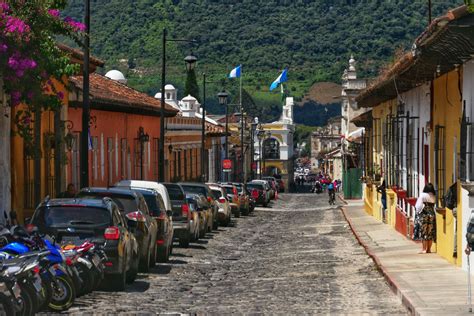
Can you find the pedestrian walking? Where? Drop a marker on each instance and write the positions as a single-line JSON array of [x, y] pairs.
[[425, 209], [382, 189]]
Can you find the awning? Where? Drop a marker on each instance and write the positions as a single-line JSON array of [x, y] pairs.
[[363, 120]]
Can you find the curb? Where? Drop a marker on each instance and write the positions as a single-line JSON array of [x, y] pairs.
[[342, 199], [406, 301]]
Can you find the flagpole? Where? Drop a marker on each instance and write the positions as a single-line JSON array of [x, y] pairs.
[[242, 156]]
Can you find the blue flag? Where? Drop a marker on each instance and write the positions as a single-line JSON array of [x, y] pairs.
[[281, 78], [235, 73]]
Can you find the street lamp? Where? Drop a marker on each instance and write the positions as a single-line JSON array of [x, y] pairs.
[[223, 96], [260, 136], [190, 61], [252, 146], [84, 158]]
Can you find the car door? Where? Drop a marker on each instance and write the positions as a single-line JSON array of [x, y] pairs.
[[165, 220], [150, 223]]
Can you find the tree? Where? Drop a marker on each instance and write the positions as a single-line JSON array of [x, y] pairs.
[[191, 87]]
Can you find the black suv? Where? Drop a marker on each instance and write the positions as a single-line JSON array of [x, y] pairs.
[[133, 206], [204, 190], [97, 220], [181, 213], [164, 238]]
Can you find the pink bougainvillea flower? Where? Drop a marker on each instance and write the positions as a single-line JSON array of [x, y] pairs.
[[16, 25], [26, 120], [54, 12], [60, 95], [30, 95], [77, 26], [15, 97], [4, 7], [3, 48]]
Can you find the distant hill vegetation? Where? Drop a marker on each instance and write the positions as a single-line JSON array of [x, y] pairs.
[[313, 38]]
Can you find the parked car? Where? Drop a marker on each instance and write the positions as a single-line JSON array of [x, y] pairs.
[[133, 206], [164, 221], [203, 189], [181, 213], [233, 198], [159, 204], [259, 192], [205, 214], [98, 220], [194, 223], [244, 198], [268, 187], [273, 183], [224, 211]]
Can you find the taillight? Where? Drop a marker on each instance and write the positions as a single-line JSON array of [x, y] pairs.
[[136, 216], [221, 200], [209, 199], [160, 242], [112, 233], [36, 270], [235, 191], [255, 194], [185, 210], [69, 261]]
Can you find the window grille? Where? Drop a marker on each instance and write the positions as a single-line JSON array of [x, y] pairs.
[[137, 158], [95, 157], [440, 163], [29, 183], [123, 154], [155, 146], [110, 156], [412, 155], [185, 153]]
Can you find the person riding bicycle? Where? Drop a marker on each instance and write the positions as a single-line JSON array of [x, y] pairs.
[[331, 192]]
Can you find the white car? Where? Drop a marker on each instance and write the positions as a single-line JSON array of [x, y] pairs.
[[160, 188], [224, 211]]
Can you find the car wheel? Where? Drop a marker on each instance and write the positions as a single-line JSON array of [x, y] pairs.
[[132, 273], [119, 281], [153, 256], [163, 255], [184, 241], [145, 262]]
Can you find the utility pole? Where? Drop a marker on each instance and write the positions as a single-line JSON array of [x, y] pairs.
[[429, 12], [161, 147], [203, 129], [85, 102]]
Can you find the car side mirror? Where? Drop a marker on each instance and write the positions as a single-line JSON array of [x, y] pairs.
[[169, 213]]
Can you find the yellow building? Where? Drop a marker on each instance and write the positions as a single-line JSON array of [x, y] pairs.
[[414, 135]]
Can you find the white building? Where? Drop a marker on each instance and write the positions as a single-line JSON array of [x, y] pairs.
[[275, 156]]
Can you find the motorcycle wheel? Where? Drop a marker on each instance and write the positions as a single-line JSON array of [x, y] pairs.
[[30, 305], [63, 293], [46, 293], [7, 306]]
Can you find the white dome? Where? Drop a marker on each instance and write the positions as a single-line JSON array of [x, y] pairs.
[[117, 76], [170, 87], [189, 98], [158, 95]]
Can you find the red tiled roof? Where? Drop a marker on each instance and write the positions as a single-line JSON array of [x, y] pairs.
[[107, 92], [78, 55]]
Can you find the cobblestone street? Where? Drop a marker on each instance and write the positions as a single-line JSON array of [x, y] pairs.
[[296, 256]]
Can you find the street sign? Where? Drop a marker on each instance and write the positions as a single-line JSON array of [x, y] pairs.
[[227, 165]]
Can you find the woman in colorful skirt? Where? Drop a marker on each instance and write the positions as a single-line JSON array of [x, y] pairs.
[[425, 208]]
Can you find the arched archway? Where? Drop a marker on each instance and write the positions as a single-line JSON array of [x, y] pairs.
[[271, 149]]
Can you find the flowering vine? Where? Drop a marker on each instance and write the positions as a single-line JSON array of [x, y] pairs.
[[30, 58]]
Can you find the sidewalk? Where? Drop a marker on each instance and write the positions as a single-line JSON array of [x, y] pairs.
[[426, 283]]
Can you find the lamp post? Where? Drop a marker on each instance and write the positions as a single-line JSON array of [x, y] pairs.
[[84, 161], [190, 61], [252, 146], [203, 131], [260, 136], [223, 96]]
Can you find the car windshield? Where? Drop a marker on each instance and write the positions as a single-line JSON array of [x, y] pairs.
[[216, 194], [125, 203], [195, 189], [151, 201], [251, 186], [175, 192], [229, 190], [72, 215]]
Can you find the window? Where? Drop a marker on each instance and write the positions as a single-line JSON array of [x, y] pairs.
[[95, 158], [110, 160], [124, 157], [440, 163], [155, 149], [185, 153]]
